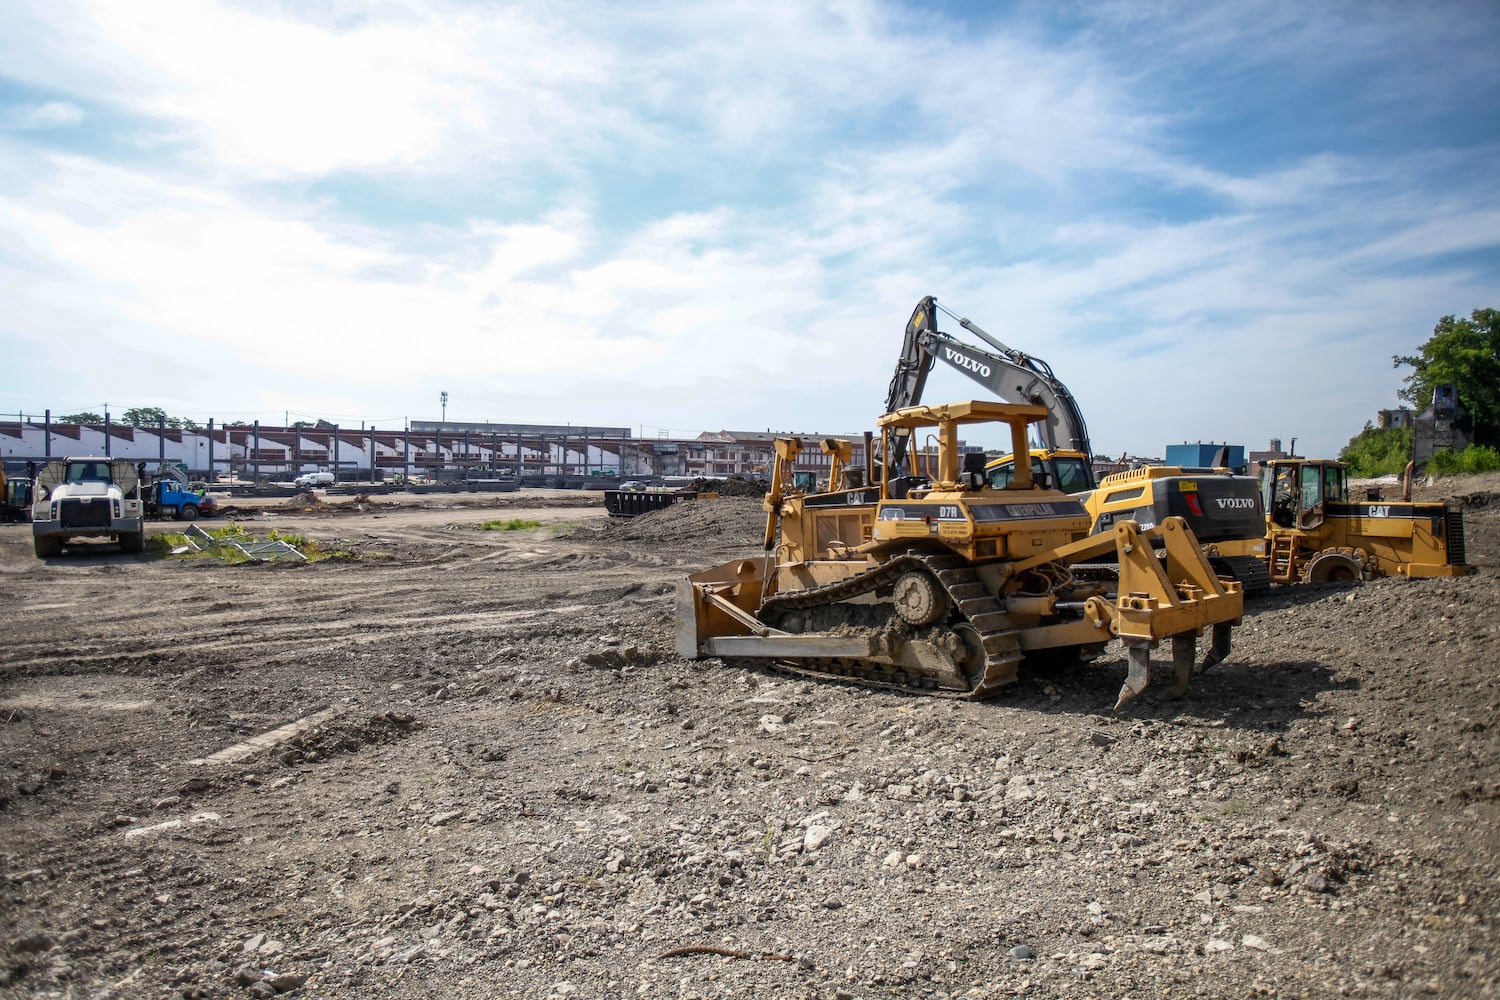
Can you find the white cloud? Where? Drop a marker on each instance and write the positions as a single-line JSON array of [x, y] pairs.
[[794, 178], [48, 115]]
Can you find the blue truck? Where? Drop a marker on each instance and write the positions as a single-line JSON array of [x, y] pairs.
[[168, 497]]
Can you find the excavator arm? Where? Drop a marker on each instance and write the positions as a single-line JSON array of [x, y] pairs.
[[1013, 376], [912, 368]]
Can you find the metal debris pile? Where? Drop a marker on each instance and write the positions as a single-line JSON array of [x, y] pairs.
[[257, 550]]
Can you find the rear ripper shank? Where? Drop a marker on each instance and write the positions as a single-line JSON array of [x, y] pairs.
[[939, 581]]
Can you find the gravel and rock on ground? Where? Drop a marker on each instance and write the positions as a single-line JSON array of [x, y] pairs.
[[506, 783]]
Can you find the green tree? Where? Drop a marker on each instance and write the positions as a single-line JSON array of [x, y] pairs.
[[85, 417], [155, 416], [1465, 353], [144, 416], [1377, 451]]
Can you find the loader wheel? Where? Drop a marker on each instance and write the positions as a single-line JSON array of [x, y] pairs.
[[188, 512], [1333, 567], [920, 600]]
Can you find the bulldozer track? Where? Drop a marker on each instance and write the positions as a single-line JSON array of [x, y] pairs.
[[997, 635]]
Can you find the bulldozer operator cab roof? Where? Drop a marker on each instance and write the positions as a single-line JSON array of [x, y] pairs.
[[948, 417]]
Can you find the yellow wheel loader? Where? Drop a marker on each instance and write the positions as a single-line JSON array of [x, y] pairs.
[[942, 582], [1315, 533]]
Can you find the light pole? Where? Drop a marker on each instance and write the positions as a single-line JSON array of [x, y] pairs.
[[444, 397]]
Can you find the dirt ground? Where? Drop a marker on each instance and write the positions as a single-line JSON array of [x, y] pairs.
[[470, 763]]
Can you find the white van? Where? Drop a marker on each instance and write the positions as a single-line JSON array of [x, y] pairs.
[[311, 479]]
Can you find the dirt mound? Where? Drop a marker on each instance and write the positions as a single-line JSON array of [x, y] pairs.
[[734, 486], [306, 500], [728, 519], [1452, 487]]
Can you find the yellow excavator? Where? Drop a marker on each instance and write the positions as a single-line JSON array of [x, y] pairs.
[[940, 581]]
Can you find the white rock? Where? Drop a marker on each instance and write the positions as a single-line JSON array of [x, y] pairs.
[[1018, 789], [816, 837], [1215, 945]]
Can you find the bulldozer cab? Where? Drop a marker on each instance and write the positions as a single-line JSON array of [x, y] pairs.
[[1297, 492]]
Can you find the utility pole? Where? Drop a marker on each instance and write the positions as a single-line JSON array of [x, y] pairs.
[[444, 397]]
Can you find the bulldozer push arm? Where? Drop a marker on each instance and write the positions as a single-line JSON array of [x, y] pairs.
[[1013, 376]]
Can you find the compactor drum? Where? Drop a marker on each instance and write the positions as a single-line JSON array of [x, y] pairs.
[[948, 584]]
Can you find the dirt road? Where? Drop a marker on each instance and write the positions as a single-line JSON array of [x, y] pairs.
[[469, 763]]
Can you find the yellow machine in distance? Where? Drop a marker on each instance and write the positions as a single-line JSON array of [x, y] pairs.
[[944, 581], [1316, 533]]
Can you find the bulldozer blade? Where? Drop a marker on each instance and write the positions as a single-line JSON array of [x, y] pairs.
[[1140, 672]]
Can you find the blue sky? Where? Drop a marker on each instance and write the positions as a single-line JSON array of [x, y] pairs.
[[1216, 222]]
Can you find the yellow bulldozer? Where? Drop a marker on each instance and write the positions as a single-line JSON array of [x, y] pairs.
[[939, 581], [1316, 533]]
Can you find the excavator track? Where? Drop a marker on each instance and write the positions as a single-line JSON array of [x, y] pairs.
[[1253, 573], [994, 640]]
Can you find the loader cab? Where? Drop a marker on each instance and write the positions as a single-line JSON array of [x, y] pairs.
[[1296, 491]]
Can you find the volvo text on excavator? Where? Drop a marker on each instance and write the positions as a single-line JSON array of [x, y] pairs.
[[944, 582], [1224, 510]]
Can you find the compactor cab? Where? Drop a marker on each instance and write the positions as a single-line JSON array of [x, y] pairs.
[[1316, 533], [942, 580], [1297, 491]]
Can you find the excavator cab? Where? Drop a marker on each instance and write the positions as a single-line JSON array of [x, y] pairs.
[[1068, 471]]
